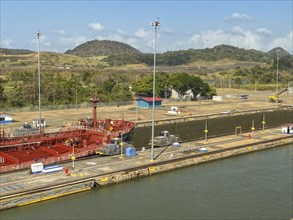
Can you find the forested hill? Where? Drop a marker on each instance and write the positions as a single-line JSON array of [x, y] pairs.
[[15, 51], [102, 48], [183, 57], [113, 53]]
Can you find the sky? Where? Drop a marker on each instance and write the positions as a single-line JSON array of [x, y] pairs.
[[255, 24]]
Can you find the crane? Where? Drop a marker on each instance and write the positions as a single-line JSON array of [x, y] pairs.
[[275, 98]]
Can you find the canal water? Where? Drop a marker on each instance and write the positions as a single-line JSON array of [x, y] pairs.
[[251, 186]]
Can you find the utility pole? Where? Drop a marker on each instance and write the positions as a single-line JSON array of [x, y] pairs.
[[277, 79], [252, 127], [156, 24], [263, 122]]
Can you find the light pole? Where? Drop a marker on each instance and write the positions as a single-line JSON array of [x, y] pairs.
[[38, 34], [206, 132], [156, 24], [121, 146], [73, 155], [277, 80]]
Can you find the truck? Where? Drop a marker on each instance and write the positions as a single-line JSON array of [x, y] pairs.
[[164, 139], [113, 148]]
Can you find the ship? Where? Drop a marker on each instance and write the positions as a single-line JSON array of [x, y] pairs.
[[20, 149]]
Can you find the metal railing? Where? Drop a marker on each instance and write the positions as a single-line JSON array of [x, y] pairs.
[[49, 160]]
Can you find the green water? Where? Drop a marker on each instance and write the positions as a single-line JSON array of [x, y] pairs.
[[252, 186]]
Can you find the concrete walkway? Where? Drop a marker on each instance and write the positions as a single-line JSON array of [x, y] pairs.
[[21, 181]]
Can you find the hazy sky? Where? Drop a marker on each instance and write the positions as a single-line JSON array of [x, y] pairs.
[[256, 24]]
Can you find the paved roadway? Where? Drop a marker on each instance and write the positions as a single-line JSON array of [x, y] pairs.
[[22, 180]]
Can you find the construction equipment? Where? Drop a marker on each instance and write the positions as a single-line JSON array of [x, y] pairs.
[[165, 139], [113, 148], [275, 98]]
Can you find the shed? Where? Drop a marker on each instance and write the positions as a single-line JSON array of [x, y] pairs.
[[5, 118], [130, 152], [147, 102]]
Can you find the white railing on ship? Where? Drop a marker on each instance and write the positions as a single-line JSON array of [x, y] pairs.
[[61, 129], [24, 133], [70, 128], [47, 161]]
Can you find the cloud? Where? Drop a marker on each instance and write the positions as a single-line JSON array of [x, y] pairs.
[[284, 42], [141, 33], [6, 43], [167, 31], [238, 30], [237, 37], [96, 26], [120, 31], [263, 31], [43, 39], [260, 39], [195, 38], [72, 41], [59, 31], [237, 17]]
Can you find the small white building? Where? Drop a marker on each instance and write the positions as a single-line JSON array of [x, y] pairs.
[[287, 129], [218, 98], [188, 95], [5, 118]]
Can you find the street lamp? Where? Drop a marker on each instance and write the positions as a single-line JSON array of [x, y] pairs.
[[38, 34], [156, 24], [277, 80]]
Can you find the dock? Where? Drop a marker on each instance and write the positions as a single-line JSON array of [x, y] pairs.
[[22, 188]]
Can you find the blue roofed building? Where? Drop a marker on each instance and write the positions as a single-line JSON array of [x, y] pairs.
[[5, 118], [147, 102]]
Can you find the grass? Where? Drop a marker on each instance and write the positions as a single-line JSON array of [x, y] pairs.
[[50, 59]]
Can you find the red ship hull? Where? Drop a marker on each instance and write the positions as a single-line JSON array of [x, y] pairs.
[[60, 144]]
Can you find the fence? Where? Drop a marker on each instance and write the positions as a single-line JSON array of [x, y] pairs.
[[60, 107]]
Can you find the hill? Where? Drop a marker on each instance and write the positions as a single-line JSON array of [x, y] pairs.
[[49, 60], [282, 53], [101, 54], [184, 57], [102, 48], [15, 51]]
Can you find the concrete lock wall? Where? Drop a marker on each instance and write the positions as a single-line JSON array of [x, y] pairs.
[[218, 126], [196, 159], [45, 193]]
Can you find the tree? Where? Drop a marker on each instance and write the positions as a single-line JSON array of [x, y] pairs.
[[121, 93], [2, 98], [180, 82], [145, 84], [108, 85], [238, 82], [197, 86]]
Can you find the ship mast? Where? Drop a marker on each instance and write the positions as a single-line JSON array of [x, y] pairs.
[[95, 100], [38, 34]]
